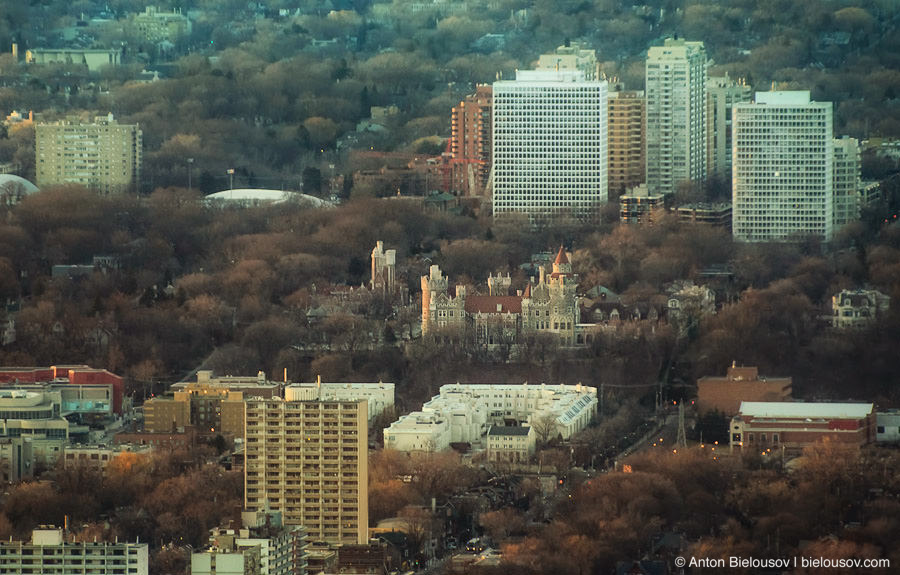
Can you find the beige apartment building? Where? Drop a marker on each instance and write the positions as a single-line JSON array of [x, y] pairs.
[[103, 155], [626, 120], [309, 460], [156, 26], [211, 410]]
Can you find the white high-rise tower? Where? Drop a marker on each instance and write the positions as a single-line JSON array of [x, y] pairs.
[[782, 178], [549, 146], [676, 115]]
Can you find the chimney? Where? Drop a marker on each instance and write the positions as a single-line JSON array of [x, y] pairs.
[[543, 274]]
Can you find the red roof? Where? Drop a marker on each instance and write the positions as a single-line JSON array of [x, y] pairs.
[[527, 290], [490, 303], [561, 257]]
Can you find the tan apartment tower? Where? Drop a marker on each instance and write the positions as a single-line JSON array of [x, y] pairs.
[[846, 169], [722, 93], [309, 460], [627, 129], [103, 155], [470, 143]]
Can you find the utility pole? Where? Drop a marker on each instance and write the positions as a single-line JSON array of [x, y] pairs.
[[682, 437]]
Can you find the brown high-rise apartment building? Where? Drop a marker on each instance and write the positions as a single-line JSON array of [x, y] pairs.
[[626, 121], [470, 143], [309, 460]]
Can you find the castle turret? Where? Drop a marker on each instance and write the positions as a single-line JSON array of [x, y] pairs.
[[433, 284], [561, 265], [499, 285], [384, 266]]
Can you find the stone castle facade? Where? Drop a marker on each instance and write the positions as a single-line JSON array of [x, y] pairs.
[[548, 306]]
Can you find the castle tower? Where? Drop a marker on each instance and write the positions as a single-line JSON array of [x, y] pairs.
[[433, 285], [561, 265], [384, 267]]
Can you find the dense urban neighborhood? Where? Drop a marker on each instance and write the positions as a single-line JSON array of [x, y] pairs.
[[449, 287]]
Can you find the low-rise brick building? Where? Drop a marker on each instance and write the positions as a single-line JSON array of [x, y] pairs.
[[783, 425], [725, 394]]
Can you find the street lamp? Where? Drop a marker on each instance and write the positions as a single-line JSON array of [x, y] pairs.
[[230, 173], [190, 163]]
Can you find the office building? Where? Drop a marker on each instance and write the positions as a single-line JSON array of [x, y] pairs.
[[675, 89], [572, 57], [308, 460], [103, 155], [627, 130], [470, 143], [87, 386], [847, 181], [782, 173], [722, 94], [716, 214], [639, 206], [550, 146], [49, 552], [100, 456]]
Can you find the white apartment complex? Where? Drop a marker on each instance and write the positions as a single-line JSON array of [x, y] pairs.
[[550, 146], [379, 396], [309, 460], [675, 89], [847, 181], [49, 552], [464, 413], [103, 155], [782, 174]]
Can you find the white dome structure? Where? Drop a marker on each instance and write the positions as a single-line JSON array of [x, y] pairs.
[[259, 197], [13, 189]]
